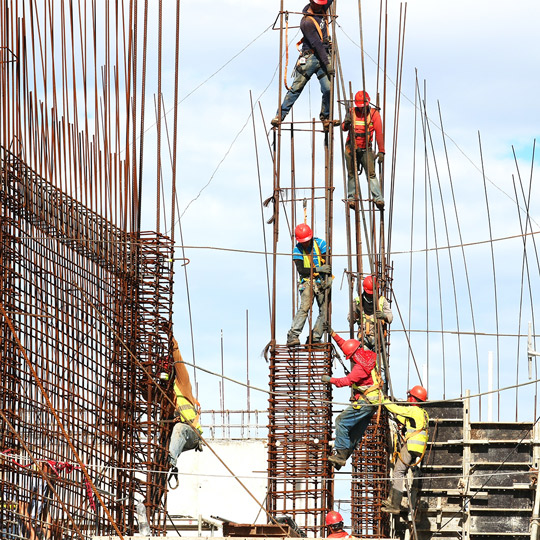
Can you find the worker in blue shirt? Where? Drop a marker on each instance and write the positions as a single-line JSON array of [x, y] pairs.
[[314, 278]]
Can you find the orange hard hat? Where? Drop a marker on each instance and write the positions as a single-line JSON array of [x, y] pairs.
[[333, 517], [361, 98], [350, 347], [303, 233], [418, 392], [368, 284]]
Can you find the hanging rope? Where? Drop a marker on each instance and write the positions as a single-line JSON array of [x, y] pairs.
[[286, 49]]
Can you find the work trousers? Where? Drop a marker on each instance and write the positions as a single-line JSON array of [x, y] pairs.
[[351, 425], [366, 158], [183, 438], [304, 72], [401, 466], [307, 294]]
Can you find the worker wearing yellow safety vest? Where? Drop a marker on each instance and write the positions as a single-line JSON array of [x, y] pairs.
[[416, 422], [309, 256], [187, 413], [365, 313], [354, 420]]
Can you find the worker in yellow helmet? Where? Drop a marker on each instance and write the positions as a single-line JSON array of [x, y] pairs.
[[185, 435], [416, 422]]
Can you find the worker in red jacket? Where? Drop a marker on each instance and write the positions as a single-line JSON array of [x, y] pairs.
[[362, 121], [353, 421]]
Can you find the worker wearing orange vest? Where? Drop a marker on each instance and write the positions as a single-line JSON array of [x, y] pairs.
[[416, 422], [364, 121], [354, 420], [185, 435], [309, 256], [366, 313], [334, 521]]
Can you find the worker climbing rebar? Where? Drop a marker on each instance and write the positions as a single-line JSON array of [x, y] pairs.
[[413, 445], [315, 278], [315, 58], [361, 121], [187, 415], [354, 420], [366, 313]]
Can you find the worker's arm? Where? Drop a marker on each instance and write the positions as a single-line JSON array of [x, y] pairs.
[[302, 271], [346, 125], [358, 374], [388, 315], [377, 126]]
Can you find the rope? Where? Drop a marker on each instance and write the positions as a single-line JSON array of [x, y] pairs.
[[286, 49]]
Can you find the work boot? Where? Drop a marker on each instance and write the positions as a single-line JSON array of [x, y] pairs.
[[392, 505], [293, 341], [276, 121], [339, 458], [351, 203], [380, 204]]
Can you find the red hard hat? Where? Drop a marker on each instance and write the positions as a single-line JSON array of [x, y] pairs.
[[303, 233], [361, 98], [368, 284], [333, 517], [320, 2], [419, 392], [350, 347]]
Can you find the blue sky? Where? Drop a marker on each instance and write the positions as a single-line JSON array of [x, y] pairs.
[[479, 63]]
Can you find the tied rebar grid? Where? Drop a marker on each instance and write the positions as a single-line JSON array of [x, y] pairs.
[[91, 307], [300, 418], [369, 486]]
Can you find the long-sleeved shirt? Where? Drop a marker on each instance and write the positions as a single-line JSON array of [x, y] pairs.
[[312, 39], [364, 362]]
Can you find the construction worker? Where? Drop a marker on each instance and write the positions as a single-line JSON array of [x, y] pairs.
[[416, 422], [315, 58], [314, 278], [354, 420], [334, 521], [364, 120], [365, 313], [185, 435]]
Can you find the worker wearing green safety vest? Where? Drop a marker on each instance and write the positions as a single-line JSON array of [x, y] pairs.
[[185, 435], [416, 422]]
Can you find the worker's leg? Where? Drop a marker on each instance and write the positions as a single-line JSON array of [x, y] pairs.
[[303, 74], [306, 301], [325, 89], [351, 181], [367, 158], [400, 468], [350, 426], [183, 438], [322, 302]]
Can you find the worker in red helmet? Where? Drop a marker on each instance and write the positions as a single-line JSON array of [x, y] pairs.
[[315, 59], [334, 522], [362, 121], [354, 420], [365, 313], [309, 257], [413, 444]]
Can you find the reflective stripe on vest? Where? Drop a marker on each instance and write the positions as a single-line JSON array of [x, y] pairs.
[[186, 408], [417, 436], [360, 129], [308, 259]]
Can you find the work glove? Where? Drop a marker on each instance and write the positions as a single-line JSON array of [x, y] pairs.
[[380, 315], [326, 378], [346, 125], [330, 70], [380, 157], [324, 269]]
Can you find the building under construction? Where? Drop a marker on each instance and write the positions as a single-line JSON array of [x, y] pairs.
[[87, 283]]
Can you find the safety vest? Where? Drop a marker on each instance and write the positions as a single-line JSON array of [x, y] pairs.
[[360, 123], [416, 425], [371, 393], [308, 259], [186, 410], [369, 320]]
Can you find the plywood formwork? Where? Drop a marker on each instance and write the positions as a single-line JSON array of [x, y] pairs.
[[84, 335]]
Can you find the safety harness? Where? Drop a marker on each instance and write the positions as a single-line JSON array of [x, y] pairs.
[[409, 435]]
